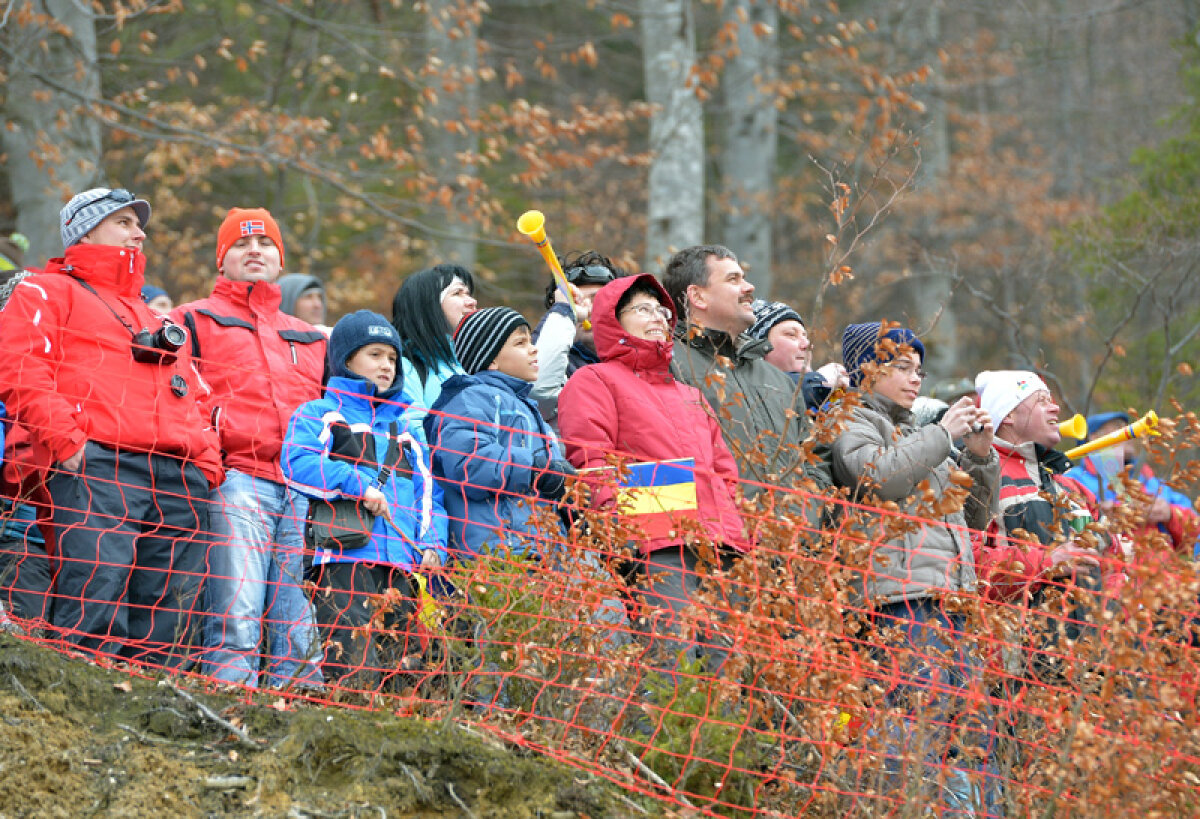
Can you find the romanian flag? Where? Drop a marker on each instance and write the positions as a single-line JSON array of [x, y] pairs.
[[658, 495]]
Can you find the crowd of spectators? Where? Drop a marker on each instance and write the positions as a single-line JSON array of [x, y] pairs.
[[169, 469]]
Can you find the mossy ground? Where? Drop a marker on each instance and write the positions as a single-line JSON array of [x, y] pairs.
[[80, 740]]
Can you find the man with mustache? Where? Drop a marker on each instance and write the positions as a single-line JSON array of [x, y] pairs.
[[761, 410]]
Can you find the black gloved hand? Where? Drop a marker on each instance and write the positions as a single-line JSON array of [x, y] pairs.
[[552, 482]]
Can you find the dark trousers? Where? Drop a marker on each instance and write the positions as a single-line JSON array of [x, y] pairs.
[[362, 642], [938, 682], [665, 583], [25, 577], [131, 532]]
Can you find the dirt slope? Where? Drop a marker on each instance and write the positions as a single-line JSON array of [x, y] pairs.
[[78, 740]]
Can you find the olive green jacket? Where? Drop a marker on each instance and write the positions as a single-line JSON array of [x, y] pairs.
[[760, 408]]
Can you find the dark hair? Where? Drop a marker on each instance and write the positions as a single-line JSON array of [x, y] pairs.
[[587, 258], [418, 318], [642, 288], [687, 267]]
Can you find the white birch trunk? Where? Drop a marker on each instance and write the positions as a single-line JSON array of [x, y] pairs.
[[53, 145], [749, 150], [675, 207], [453, 66]]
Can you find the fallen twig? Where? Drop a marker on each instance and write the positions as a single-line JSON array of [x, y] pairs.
[[457, 801], [221, 783], [213, 716], [24, 693], [657, 780], [143, 737]]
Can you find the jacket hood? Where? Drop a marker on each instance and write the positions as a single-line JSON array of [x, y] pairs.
[[1052, 459], [293, 286], [613, 342], [348, 384], [495, 379], [120, 270]]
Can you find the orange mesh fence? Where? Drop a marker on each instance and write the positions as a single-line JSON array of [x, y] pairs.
[[774, 680]]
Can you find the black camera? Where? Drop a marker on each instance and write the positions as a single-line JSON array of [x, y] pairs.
[[161, 346]]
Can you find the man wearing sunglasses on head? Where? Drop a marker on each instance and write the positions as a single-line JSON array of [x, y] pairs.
[[119, 427], [564, 336]]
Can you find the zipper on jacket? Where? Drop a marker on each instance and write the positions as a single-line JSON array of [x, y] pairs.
[[292, 347]]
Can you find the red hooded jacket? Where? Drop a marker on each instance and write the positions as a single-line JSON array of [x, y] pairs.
[[630, 404], [69, 374], [261, 365]]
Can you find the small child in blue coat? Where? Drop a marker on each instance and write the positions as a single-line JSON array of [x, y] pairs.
[[336, 447], [493, 453]]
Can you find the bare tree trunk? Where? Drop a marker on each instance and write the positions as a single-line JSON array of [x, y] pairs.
[[934, 313], [53, 147], [676, 185], [452, 78], [748, 155]]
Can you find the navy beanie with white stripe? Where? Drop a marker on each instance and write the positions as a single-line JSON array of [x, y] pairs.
[[355, 331], [861, 343], [480, 335]]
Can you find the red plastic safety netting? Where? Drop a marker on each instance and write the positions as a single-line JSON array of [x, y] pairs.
[[769, 677]]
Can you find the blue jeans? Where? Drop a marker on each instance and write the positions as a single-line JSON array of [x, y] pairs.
[[939, 684], [255, 575]]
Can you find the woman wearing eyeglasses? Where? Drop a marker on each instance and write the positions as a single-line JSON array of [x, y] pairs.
[[564, 336], [921, 554], [631, 405]]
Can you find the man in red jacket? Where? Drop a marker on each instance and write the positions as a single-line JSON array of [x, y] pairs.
[[118, 425], [261, 365]]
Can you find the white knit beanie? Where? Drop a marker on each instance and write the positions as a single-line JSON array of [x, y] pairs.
[[1000, 391]]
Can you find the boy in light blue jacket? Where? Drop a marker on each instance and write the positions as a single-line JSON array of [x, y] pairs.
[[493, 453], [336, 448]]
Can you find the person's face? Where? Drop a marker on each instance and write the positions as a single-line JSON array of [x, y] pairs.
[[518, 356], [1128, 450], [252, 259], [120, 229], [725, 302], [161, 304], [646, 317], [584, 295], [310, 307], [900, 379], [457, 302], [790, 348], [1034, 419], [377, 363]]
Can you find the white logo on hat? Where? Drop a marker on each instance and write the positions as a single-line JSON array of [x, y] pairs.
[[379, 330]]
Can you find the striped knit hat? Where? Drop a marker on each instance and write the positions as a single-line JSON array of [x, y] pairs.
[[769, 313], [861, 344], [88, 209], [480, 335]]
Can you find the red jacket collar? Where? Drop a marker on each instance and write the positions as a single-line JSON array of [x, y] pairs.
[[260, 297], [613, 343], [119, 270]]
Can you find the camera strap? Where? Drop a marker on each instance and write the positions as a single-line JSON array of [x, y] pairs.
[[392, 457], [128, 327]]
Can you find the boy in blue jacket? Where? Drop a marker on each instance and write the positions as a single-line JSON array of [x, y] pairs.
[[337, 447], [492, 451]]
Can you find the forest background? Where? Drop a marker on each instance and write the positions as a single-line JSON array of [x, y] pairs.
[[1017, 181]]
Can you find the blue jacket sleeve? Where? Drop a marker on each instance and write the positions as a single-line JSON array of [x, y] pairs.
[[306, 465], [435, 535], [474, 451]]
